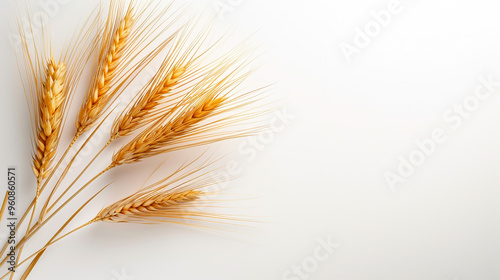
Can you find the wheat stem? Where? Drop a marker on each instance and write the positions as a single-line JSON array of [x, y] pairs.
[[40, 252], [40, 224], [49, 178], [27, 230], [49, 208], [52, 241]]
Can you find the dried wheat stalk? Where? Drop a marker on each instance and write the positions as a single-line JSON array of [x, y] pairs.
[[101, 93], [49, 88], [50, 118], [143, 111], [153, 140], [146, 207], [167, 199]]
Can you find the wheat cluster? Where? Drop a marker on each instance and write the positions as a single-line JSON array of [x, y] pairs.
[[194, 98]]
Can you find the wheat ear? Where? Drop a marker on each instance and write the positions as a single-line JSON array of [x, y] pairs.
[[151, 141], [146, 207], [49, 120], [168, 198], [143, 110], [100, 93], [51, 105]]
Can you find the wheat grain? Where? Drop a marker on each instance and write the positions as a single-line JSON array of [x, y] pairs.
[[49, 119]]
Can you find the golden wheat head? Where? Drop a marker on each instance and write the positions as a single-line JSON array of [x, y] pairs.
[[153, 140], [50, 118], [145, 109], [146, 208], [166, 200], [101, 92]]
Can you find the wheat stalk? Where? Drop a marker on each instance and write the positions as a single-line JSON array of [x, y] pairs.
[[100, 94], [143, 111], [49, 90], [144, 207], [50, 106], [151, 141], [49, 120]]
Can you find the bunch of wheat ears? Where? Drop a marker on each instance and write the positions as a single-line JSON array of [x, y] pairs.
[[194, 98]]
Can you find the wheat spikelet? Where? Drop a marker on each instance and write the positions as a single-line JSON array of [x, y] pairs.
[[144, 109], [100, 95], [146, 206], [50, 118]]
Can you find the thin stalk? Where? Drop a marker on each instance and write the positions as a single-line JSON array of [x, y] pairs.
[[63, 175], [4, 204], [39, 253], [52, 241], [15, 231], [39, 225], [46, 209], [27, 229], [28, 210], [77, 135]]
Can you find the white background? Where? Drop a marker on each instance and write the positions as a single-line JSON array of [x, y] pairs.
[[324, 175]]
